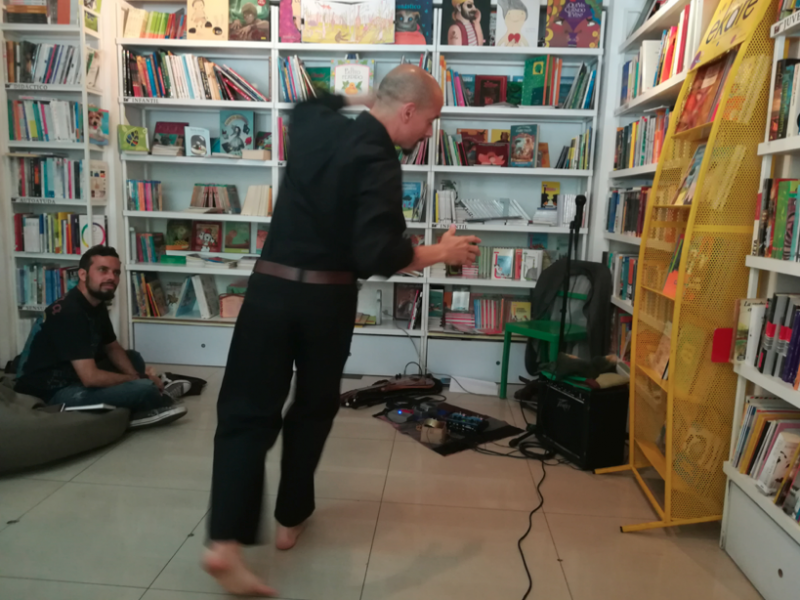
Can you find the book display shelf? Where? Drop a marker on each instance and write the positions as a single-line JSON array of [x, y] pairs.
[[439, 350], [646, 80], [55, 175], [698, 224], [760, 536]]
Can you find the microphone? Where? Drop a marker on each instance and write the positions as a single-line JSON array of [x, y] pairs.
[[580, 202]]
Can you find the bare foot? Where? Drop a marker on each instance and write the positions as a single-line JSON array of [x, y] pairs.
[[286, 537], [224, 562]]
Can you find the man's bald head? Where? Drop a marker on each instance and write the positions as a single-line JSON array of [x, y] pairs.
[[407, 102], [408, 83]]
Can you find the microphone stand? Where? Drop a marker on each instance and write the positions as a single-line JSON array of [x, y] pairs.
[[574, 230]]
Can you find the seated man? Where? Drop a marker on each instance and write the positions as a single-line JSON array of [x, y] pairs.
[[75, 358]]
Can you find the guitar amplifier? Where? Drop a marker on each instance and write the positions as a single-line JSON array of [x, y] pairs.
[[587, 427]]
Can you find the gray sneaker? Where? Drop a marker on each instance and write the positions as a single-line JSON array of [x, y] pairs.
[[157, 416], [177, 389]]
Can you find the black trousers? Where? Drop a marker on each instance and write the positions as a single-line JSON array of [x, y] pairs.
[[281, 323]]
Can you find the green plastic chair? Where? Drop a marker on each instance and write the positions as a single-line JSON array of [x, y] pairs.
[[544, 331]]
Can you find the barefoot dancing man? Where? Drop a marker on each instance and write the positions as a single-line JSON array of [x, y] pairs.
[[338, 217]]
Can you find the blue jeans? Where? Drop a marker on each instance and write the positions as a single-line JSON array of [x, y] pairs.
[[138, 395]]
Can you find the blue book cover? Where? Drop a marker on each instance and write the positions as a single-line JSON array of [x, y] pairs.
[[412, 192], [468, 81], [236, 131], [187, 303]]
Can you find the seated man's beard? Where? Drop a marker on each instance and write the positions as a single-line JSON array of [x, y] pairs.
[[100, 294]]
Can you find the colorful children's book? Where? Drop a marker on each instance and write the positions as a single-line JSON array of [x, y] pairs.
[[290, 21], [490, 89], [237, 237], [470, 138], [348, 22], [206, 237], [207, 19], [352, 77], [320, 78], [170, 133], [573, 23], [671, 283], [515, 24], [413, 23], [179, 233], [98, 126], [248, 21], [503, 263], [412, 192], [685, 193], [524, 139], [501, 136], [494, 155], [236, 130], [466, 23], [132, 138]]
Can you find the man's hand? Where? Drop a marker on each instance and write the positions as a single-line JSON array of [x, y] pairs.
[[459, 249], [367, 100], [153, 376]]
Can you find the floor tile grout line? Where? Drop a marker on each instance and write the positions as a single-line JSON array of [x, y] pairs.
[[63, 483], [377, 520], [131, 587], [558, 555], [181, 545]]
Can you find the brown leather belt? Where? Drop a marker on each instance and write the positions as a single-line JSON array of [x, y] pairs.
[[266, 267]]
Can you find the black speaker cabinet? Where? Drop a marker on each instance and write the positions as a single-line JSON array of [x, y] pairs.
[[587, 427]]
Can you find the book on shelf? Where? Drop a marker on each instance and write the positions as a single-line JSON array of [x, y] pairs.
[[626, 210], [413, 22], [60, 64], [133, 139], [48, 176], [414, 193], [748, 316], [236, 131], [482, 314], [98, 126], [53, 233], [704, 97], [578, 154], [684, 195], [163, 74], [658, 360], [140, 23], [783, 116], [206, 236], [639, 143], [418, 156], [248, 21], [352, 76], [670, 288], [368, 22], [45, 120], [90, 21], [33, 13], [144, 195], [149, 247], [198, 142], [621, 335], [179, 234], [207, 20], [573, 23], [92, 67], [210, 262], [524, 142], [98, 181], [774, 233], [41, 285], [623, 274], [169, 138], [236, 237], [258, 201]]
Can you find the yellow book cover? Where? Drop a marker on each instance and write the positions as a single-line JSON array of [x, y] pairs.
[[501, 135]]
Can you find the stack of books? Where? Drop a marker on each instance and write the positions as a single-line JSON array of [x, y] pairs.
[[48, 177], [144, 195], [775, 234], [577, 155], [53, 233], [140, 23], [213, 262], [215, 197]]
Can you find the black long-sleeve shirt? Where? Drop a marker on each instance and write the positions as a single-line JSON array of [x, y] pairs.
[[339, 205]]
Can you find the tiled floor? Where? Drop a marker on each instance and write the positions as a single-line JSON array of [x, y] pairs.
[[394, 521]]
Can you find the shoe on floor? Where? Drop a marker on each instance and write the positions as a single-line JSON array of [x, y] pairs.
[[158, 416], [177, 389]]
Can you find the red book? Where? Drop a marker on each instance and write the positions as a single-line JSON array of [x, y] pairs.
[[684, 33], [490, 89], [19, 242], [673, 31]]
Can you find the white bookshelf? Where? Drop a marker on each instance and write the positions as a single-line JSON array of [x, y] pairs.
[[390, 343], [18, 316], [757, 534], [614, 113]]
